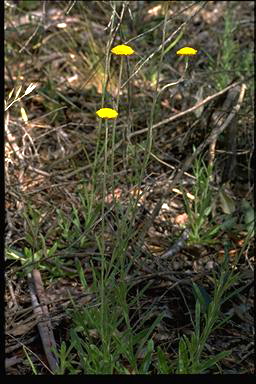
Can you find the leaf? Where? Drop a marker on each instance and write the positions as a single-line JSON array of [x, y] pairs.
[[228, 223], [18, 92], [248, 212], [226, 202], [211, 361], [202, 296], [23, 115], [10, 94], [148, 356], [183, 362]]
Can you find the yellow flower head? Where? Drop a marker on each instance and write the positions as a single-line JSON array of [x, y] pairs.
[[122, 50], [186, 51], [107, 113]]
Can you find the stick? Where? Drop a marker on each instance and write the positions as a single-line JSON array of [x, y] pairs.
[[41, 311]]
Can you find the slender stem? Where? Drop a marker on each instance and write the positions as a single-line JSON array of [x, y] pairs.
[[104, 189], [114, 127], [103, 265]]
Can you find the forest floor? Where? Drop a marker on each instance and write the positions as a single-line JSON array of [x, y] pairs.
[[115, 227]]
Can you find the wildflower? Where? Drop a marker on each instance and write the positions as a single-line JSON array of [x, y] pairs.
[[122, 50], [107, 113], [186, 51]]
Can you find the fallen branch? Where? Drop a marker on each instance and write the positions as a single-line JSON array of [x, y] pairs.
[[41, 311], [183, 113], [177, 246]]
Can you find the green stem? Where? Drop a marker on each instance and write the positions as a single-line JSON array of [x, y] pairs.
[[114, 128]]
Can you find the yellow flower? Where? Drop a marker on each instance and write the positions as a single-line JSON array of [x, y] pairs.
[[107, 113], [122, 50], [187, 51]]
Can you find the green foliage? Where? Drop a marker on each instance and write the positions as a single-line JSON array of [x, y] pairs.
[[231, 62], [248, 216], [191, 350], [203, 230], [102, 335]]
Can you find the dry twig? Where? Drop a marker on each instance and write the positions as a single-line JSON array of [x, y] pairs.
[[41, 311], [177, 246]]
